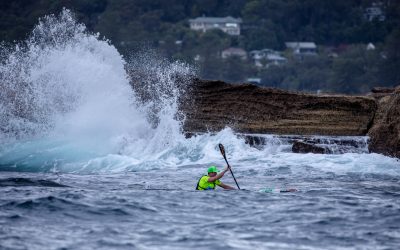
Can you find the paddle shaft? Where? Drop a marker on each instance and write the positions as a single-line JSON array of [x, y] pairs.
[[223, 154]]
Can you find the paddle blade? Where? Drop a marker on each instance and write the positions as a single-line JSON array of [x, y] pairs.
[[222, 149]]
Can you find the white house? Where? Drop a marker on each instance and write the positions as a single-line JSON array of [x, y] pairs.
[[227, 24], [267, 57], [374, 12], [275, 59], [256, 55]]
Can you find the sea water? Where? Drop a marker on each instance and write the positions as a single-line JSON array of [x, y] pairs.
[[89, 162]]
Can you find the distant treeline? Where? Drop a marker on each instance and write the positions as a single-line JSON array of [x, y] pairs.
[[338, 25]]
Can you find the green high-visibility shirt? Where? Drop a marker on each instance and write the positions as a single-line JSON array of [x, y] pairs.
[[203, 183]]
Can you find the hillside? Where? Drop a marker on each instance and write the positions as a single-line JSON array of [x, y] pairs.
[[340, 29]]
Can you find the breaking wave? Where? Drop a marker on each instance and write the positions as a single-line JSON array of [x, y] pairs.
[[71, 103]]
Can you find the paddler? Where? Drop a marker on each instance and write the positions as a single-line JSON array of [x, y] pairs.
[[211, 180]]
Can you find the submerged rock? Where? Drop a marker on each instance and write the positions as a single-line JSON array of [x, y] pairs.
[[385, 132], [303, 147], [212, 105]]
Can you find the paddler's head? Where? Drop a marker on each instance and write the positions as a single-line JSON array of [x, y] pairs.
[[212, 171]]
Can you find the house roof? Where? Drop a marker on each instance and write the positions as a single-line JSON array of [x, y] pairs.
[[370, 46], [303, 45], [265, 53], [204, 19]]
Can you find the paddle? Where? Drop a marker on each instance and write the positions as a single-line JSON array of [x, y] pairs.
[[222, 149]]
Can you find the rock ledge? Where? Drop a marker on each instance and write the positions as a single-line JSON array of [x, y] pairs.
[[212, 105]]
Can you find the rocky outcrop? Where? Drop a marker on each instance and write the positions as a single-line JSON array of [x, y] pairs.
[[380, 92], [385, 132], [309, 143], [246, 108]]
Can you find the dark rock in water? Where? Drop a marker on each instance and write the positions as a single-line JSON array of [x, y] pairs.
[[385, 132], [254, 141], [331, 144], [212, 105], [303, 147]]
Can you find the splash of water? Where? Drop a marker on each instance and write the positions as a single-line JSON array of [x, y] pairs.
[[67, 99], [58, 72]]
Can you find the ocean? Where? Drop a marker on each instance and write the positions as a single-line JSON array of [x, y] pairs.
[[88, 163]]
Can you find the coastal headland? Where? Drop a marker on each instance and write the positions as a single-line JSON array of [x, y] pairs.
[[210, 106]]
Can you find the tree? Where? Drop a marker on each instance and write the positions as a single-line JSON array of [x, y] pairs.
[[263, 37], [210, 67], [389, 69], [235, 69], [274, 76], [356, 70]]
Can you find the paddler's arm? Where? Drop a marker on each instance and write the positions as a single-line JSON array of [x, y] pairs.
[[225, 186], [218, 176]]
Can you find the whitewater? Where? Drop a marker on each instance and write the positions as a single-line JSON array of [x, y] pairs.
[[93, 156]]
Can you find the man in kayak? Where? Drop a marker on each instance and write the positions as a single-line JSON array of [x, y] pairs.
[[209, 182]]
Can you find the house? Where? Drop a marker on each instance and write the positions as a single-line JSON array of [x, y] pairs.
[[266, 57], [257, 57], [302, 49], [259, 54], [229, 52], [274, 59], [227, 24], [374, 12]]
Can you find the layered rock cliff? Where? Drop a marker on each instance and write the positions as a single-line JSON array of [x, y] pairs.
[[385, 132], [246, 108]]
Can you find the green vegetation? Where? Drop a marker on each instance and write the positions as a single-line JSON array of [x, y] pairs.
[[339, 28]]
